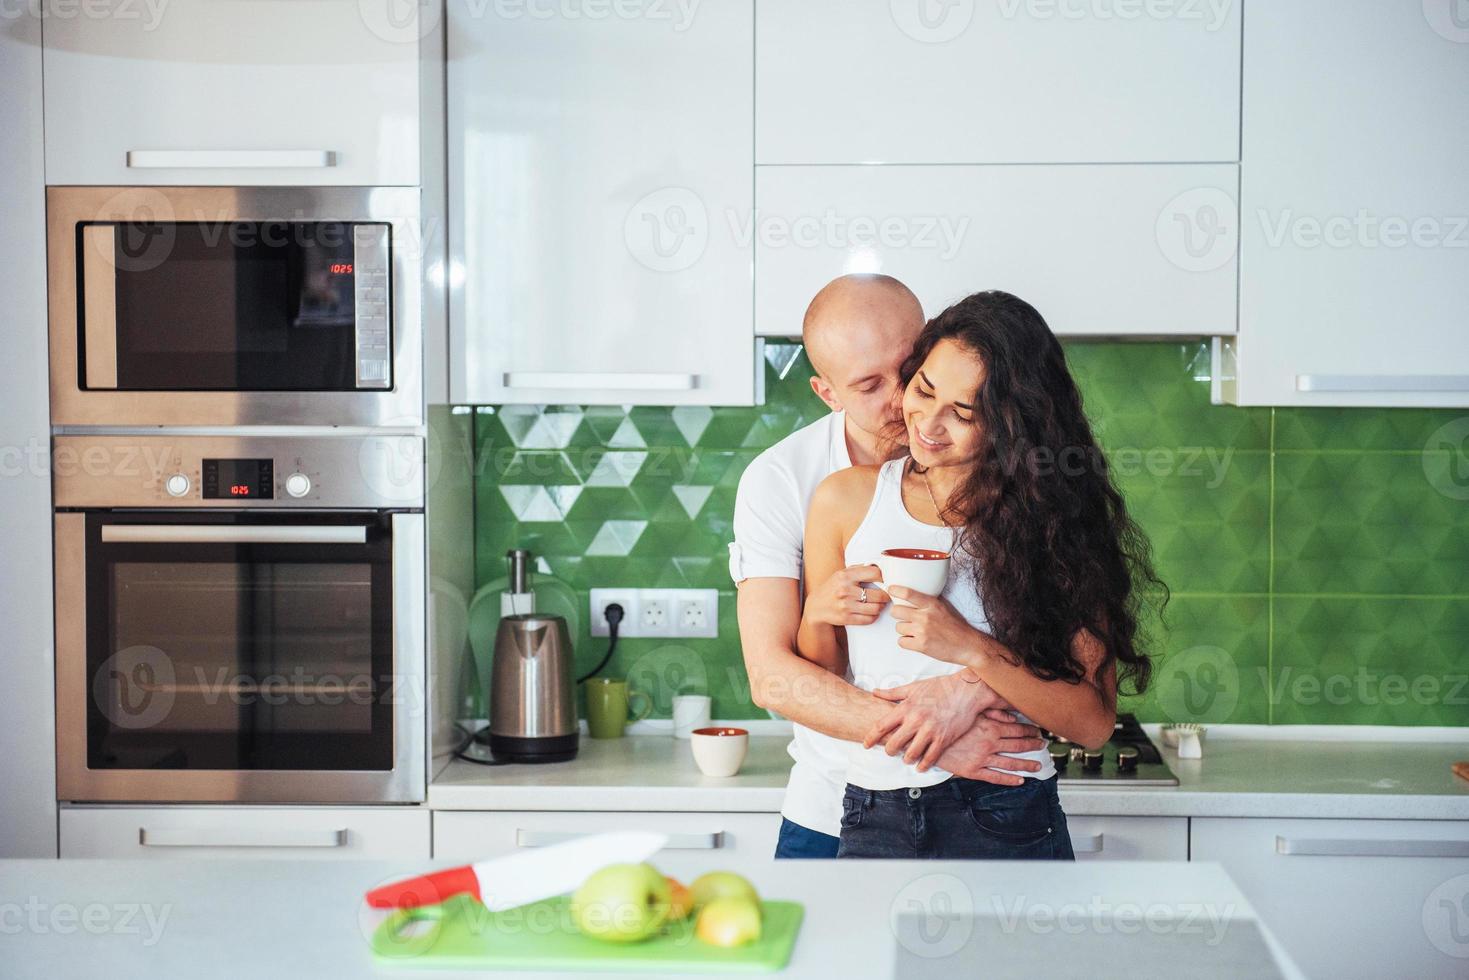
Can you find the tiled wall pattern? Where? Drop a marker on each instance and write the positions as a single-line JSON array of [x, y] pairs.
[[1318, 558]]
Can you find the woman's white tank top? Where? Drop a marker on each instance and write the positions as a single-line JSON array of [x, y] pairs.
[[876, 659]]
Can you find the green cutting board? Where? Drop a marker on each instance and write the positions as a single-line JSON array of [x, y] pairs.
[[462, 934]]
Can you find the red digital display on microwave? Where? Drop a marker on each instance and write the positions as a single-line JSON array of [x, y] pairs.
[[341, 268]]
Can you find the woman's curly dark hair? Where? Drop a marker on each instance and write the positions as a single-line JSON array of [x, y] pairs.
[[1054, 548]]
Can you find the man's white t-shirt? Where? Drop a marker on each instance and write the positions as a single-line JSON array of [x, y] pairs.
[[769, 529]]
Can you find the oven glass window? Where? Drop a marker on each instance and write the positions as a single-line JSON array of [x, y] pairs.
[[235, 306], [240, 656]]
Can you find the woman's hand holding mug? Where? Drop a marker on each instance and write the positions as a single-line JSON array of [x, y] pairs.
[[843, 601], [929, 625]]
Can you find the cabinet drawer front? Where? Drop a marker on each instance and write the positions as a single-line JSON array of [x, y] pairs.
[[1129, 838], [638, 189], [908, 81], [1352, 236], [265, 92], [1352, 898], [1079, 243], [725, 838], [238, 832]]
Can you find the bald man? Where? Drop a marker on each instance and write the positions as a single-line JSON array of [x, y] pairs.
[[857, 331]]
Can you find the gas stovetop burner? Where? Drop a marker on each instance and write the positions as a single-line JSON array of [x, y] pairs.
[[1129, 757]]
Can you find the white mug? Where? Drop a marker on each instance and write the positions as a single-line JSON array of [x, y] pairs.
[[920, 569], [690, 711]]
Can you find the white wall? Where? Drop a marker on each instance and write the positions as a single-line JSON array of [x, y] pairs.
[[27, 697]]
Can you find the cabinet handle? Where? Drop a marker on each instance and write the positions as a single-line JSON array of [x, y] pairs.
[[241, 837], [1382, 382], [1372, 848], [676, 842], [231, 159], [593, 380], [99, 298], [1087, 845]]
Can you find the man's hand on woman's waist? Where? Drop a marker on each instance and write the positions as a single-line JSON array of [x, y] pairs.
[[931, 716]]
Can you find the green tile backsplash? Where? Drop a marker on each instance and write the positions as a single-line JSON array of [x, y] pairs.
[[1318, 558]]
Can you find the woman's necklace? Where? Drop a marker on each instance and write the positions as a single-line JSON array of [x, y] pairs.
[[933, 500]]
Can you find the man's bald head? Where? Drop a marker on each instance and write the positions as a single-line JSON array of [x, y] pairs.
[[858, 331], [856, 314]]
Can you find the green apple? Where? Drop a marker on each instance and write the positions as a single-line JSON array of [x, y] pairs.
[[622, 903], [722, 884], [729, 922]]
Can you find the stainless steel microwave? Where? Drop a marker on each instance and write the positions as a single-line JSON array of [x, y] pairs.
[[234, 306]]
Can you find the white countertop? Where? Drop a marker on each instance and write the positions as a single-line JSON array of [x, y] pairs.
[[221, 918], [1242, 774]]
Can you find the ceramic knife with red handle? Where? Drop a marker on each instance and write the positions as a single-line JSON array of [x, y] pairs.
[[527, 876]]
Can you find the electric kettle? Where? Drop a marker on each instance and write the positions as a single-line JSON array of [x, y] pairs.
[[531, 697]]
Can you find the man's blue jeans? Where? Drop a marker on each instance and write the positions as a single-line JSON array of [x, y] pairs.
[[796, 841]]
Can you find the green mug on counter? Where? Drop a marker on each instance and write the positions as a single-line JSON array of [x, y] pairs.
[[608, 700]]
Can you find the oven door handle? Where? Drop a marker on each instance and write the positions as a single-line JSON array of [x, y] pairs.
[[233, 534]]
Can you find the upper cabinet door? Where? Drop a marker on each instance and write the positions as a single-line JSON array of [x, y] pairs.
[[1354, 264], [601, 168], [997, 81], [223, 92], [1099, 250]]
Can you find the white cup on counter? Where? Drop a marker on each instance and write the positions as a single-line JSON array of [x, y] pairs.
[[720, 751], [690, 711]]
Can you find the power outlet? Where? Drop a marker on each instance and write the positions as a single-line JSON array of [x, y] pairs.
[[674, 613], [654, 616]]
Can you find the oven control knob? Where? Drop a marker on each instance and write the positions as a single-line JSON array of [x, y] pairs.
[[1091, 760], [1127, 758], [176, 485], [298, 484]]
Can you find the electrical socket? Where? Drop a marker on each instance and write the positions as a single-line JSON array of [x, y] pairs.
[[654, 616], [678, 613], [602, 598]]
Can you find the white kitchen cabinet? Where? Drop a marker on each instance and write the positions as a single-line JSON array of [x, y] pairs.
[[281, 833], [1352, 898], [1128, 838], [219, 92], [601, 165], [1354, 280], [1097, 249], [1014, 81], [27, 753], [732, 840]]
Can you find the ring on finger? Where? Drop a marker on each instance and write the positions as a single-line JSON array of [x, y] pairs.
[[861, 593]]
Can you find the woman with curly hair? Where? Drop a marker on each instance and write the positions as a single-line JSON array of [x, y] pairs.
[[1042, 601]]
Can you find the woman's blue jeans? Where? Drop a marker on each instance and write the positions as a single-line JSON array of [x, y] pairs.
[[958, 819]]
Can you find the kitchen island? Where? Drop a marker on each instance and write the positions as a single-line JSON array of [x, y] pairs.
[[254, 919]]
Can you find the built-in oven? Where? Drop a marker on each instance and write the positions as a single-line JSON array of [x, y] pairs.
[[240, 619], [208, 306]]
